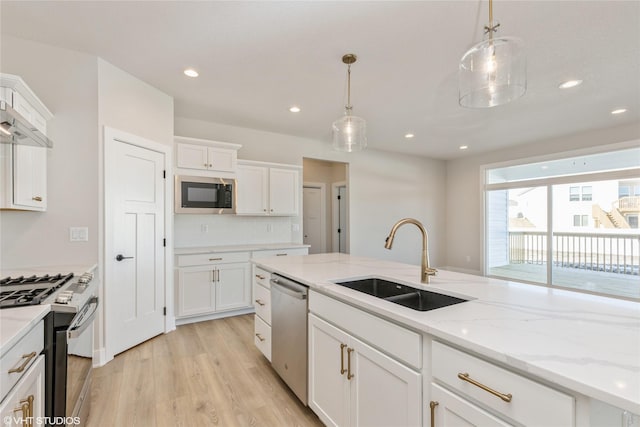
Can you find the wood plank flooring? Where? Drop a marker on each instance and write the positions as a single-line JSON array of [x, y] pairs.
[[203, 374]]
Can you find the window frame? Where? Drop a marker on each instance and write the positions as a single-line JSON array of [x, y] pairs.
[[549, 182]]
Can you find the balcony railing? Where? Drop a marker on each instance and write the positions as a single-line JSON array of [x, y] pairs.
[[625, 204], [613, 253]]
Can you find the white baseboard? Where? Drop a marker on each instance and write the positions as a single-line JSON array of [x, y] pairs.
[[213, 316]]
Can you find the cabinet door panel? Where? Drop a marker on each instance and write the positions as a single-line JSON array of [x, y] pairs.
[[453, 411], [222, 159], [196, 291], [328, 388], [192, 156], [30, 177], [31, 384], [252, 190], [383, 391], [233, 286], [283, 191]]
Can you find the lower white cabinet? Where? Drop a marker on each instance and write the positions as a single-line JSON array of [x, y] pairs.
[[450, 410], [209, 289], [26, 399], [353, 384]]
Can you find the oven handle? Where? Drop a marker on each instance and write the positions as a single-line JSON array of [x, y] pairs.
[[82, 320]]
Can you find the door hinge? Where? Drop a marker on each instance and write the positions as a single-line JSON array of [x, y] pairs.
[[339, 230], [164, 174], [164, 242], [339, 197], [164, 311]]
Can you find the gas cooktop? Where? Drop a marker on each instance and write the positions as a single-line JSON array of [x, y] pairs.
[[31, 290]]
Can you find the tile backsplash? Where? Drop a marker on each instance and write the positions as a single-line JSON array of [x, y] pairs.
[[192, 230]]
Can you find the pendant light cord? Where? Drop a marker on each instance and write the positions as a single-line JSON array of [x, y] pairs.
[[348, 107]]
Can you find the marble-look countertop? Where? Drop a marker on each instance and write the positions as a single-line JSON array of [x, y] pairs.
[[16, 322], [76, 269], [585, 343], [237, 248]]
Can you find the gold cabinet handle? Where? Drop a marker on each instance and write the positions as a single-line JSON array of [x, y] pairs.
[[433, 405], [27, 358], [259, 302], [28, 402], [342, 370], [261, 277], [260, 337], [217, 275], [465, 377], [280, 254], [24, 408], [36, 198], [215, 259], [349, 374]]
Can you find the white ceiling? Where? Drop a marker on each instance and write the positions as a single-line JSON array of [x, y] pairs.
[[256, 59]]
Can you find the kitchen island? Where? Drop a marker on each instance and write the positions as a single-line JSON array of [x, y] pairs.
[[586, 347]]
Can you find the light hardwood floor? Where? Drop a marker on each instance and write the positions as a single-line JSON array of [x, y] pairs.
[[203, 374]]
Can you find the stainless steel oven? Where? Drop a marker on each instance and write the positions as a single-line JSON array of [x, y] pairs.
[[68, 335]]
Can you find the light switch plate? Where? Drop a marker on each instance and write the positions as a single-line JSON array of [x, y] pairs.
[[78, 234]]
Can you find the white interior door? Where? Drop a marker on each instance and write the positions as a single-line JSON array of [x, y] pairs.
[[313, 218], [134, 248]]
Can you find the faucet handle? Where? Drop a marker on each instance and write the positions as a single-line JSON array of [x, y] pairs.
[[430, 271]]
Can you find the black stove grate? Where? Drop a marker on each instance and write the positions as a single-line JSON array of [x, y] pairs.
[[22, 291]]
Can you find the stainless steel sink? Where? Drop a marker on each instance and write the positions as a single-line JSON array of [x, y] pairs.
[[407, 296]]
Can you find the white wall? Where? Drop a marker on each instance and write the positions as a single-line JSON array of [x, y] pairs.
[[67, 83], [464, 194], [384, 187]]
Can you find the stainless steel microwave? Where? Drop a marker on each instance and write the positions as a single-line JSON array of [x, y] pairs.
[[198, 194]]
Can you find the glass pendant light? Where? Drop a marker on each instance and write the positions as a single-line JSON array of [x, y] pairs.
[[349, 131], [493, 72]]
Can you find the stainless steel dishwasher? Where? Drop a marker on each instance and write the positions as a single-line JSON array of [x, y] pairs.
[[289, 333]]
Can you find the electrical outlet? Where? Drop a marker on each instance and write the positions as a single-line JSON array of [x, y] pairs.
[[295, 228], [269, 228], [468, 258], [78, 234], [204, 228]]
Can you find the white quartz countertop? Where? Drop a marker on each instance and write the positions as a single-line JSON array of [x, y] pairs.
[[76, 269], [16, 322], [586, 343], [238, 248]]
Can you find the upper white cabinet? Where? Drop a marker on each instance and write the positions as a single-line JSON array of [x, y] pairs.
[[24, 167], [206, 156], [268, 189]]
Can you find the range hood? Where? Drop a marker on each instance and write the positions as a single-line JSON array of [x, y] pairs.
[[15, 129]]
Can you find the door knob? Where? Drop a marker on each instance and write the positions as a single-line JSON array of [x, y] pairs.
[[119, 257]]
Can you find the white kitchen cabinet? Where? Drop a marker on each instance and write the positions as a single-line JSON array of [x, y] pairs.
[[268, 190], [510, 396], [450, 410], [205, 156], [262, 304], [212, 283], [26, 399], [353, 384], [23, 167]]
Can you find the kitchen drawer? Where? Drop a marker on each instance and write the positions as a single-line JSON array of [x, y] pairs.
[[531, 403], [403, 344], [262, 302], [261, 277], [212, 258], [280, 252], [262, 337], [20, 357]]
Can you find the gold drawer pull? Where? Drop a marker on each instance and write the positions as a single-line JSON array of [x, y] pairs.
[[215, 259], [259, 302], [260, 277], [433, 405], [349, 374], [27, 358], [36, 198], [260, 337], [465, 377], [342, 370], [280, 254]]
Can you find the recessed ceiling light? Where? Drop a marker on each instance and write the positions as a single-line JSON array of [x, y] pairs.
[[570, 83], [409, 135], [619, 111], [294, 109], [464, 147], [191, 72]]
